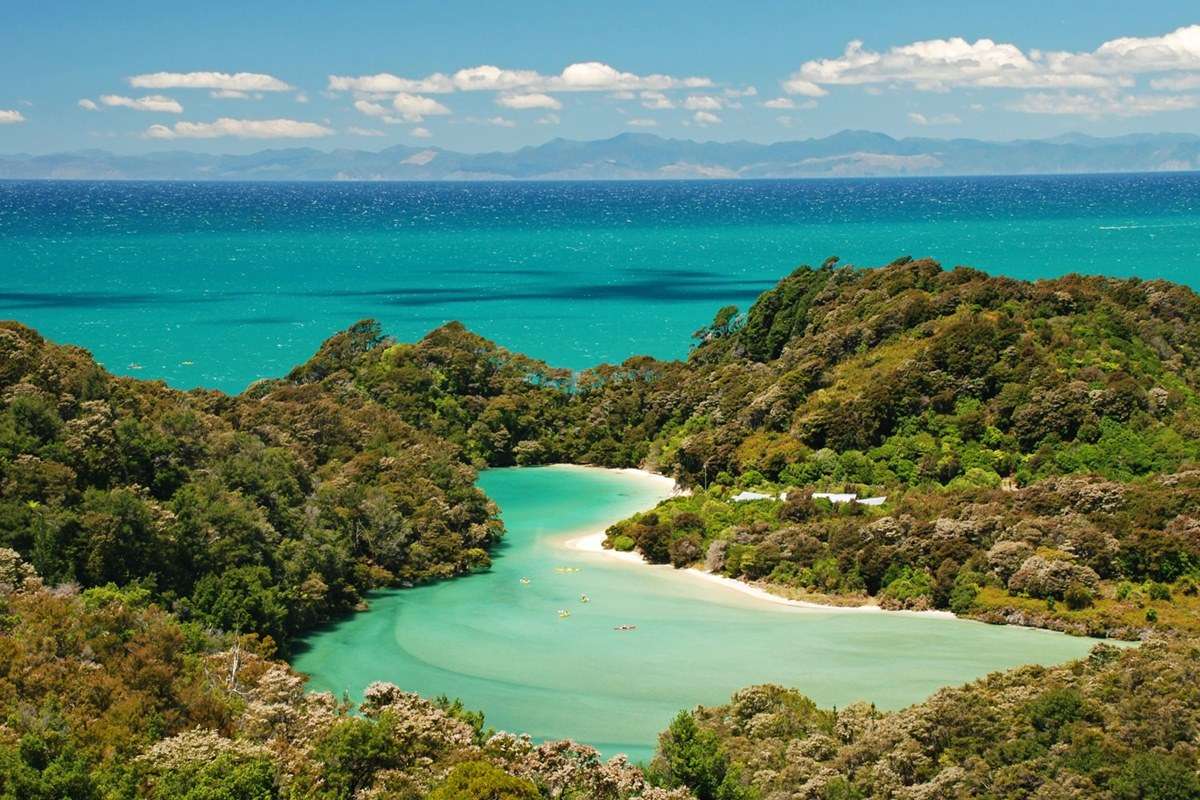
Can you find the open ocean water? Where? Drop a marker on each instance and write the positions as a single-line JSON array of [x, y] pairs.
[[218, 284]]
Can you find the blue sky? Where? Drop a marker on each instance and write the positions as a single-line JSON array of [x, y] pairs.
[[223, 77]]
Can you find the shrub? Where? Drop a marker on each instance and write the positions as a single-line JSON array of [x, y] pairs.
[[1050, 577], [479, 780], [1159, 591], [1155, 776], [962, 598], [1078, 597], [623, 544], [1055, 709], [913, 587]]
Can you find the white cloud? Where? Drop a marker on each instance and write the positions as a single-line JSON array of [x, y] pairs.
[[784, 120], [525, 101], [796, 85], [387, 83], [10, 117], [488, 77], [642, 122], [702, 102], [1177, 50], [1176, 83], [88, 105], [933, 65], [656, 101], [371, 109], [414, 107], [748, 91], [501, 122], [586, 76], [943, 64], [594, 75], [918, 118], [1104, 104], [704, 118], [548, 119], [375, 110], [238, 81], [301, 97], [230, 94], [154, 102], [241, 129], [624, 94], [788, 104], [420, 133], [356, 131]]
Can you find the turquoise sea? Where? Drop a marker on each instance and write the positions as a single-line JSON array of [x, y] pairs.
[[216, 284], [501, 646]]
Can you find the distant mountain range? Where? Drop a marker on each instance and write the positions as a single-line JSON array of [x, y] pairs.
[[633, 156]]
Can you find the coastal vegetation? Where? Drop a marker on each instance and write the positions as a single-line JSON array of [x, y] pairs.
[[1080, 554], [1037, 445], [1119, 725], [907, 375], [266, 512]]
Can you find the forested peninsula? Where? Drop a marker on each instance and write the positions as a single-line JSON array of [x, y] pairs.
[[1036, 446]]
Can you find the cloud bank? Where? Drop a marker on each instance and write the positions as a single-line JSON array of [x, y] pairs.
[[237, 82], [240, 129]]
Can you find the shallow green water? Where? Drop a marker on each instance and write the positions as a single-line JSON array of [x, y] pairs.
[[501, 646]]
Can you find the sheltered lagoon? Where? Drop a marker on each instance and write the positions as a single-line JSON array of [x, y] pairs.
[[500, 644]]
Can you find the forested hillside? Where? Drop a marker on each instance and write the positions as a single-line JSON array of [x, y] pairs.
[[1037, 446], [905, 375], [261, 513]]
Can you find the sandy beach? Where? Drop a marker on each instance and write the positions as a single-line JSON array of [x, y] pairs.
[[594, 543]]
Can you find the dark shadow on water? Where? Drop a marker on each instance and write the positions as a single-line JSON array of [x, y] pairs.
[[652, 285], [659, 291], [99, 300]]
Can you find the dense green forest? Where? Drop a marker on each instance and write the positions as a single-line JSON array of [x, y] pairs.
[[1079, 554], [1038, 445], [265, 512], [907, 375]]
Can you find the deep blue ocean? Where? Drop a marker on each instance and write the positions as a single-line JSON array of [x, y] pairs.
[[217, 284]]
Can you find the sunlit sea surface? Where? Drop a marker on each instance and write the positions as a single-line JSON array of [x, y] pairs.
[[215, 284]]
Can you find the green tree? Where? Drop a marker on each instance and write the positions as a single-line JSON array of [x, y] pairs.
[[242, 599], [479, 780], [691, 756], [1155, 776], [223, 778], [352, 752]]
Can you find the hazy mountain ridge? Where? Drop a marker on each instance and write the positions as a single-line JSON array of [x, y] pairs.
[[634, 156]]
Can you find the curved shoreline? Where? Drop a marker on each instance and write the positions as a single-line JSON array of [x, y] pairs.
[[594, 543]]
